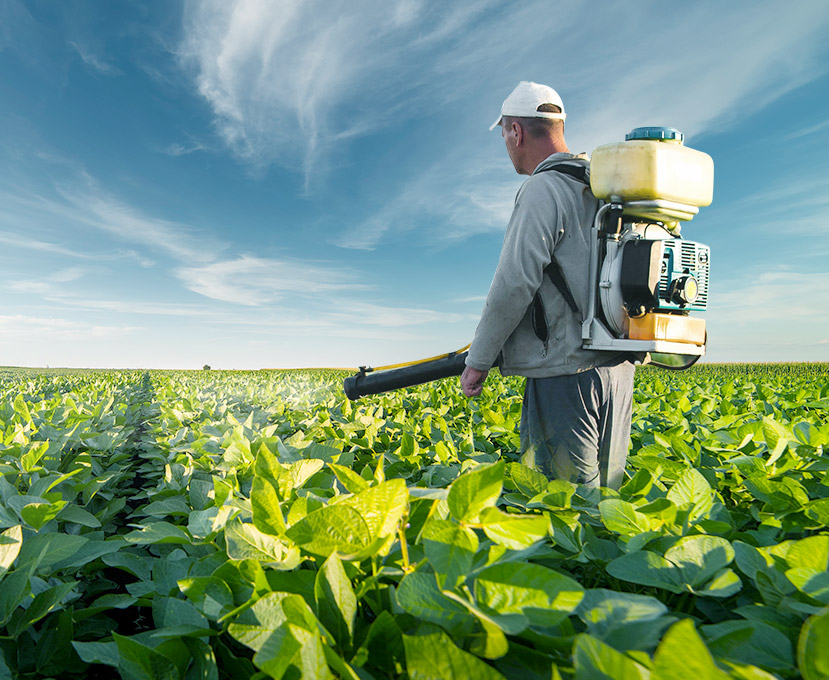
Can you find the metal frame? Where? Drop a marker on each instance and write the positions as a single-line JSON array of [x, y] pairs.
[[595, 335]]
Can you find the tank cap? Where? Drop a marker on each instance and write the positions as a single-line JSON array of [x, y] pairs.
[[655, 133]]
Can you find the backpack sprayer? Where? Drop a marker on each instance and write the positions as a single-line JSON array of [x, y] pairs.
[[645, 279]]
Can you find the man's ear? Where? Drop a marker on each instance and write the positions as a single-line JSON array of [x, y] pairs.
[[518, 131]]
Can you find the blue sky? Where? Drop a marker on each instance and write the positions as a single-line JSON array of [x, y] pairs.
[[313, 183]]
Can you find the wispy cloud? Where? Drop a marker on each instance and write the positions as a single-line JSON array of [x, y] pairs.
[[98, 208], [49, 283], [807, 131], [376, 315], [27, 243], [23, 327], [95, 61], [82, 201], [697, 90], [454, 202], [253, 281], [185, 148], [289, 81]]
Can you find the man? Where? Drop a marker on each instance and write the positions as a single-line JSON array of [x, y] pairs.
[[575, 421]]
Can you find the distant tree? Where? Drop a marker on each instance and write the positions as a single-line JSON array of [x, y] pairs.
[[206, 367]]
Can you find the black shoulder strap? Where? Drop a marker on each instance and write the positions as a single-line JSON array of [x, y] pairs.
[[554, 272], [578, 172]]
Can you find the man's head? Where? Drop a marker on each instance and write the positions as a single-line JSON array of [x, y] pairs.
[[532, 124]]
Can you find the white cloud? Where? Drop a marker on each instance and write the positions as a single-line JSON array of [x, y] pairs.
[[375, 315], [287, 81], [22, 328], [96, 207], [292, 82], [807, 131], [184, 148], [46, 285], [82, 201], [255, 281], [94, 61], [457, 203]]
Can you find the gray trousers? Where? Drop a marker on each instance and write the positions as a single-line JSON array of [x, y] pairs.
[[577, 427]]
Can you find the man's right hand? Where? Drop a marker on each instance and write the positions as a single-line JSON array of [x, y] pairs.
[[472, 381]]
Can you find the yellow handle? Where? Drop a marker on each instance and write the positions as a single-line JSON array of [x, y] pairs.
[[419, 361]]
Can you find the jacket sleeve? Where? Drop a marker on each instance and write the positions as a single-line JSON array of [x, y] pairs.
[[529, 241]]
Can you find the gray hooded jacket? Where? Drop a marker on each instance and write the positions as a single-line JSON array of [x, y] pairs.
[[553, 216]]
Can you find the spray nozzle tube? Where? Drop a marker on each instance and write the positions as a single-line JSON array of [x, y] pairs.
[[367, 382]]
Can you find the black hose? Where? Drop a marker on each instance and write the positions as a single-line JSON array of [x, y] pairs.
[[362, 383]]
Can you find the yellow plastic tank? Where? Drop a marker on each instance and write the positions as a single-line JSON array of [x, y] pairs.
[[653, 165], [673, 327]]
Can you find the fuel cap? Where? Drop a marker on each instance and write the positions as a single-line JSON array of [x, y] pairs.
[[657, 133]]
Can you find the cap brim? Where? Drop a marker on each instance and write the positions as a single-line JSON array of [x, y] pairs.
[[496, 123]]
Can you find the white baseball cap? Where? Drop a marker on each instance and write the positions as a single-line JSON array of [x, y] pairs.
[[524, 100]]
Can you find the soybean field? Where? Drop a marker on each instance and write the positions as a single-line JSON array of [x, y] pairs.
[[207, 524]]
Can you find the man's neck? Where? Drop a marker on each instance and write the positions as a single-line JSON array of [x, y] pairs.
[[542, 150]]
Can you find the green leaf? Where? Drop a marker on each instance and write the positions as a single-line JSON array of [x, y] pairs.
[[750, 642], [693, 494], [14, 590], [277, 651], [37, 514], [419, 595], [435, 657], [682, 654], [140, 662], [810, 553], [475, 490], [265, 495], [203, 666], [450, 550], [171, 611], [524, 594], [302, 470], [489, 641], [813, 583], [98, 652], [622, 517], [603, 609], [255, 625], [311, 659], [648, 569], [813, 647], [529, 482], [40, 606], [204, 523], [594, 660], [336, 601], [700, 557], [245, 541], [30, 459], [210, 595], [76, 515], [351, 481], [512, 530], [10, 542], [383, 644], [688, 565], [723, 584], [158, 532], [332, 528], [381, 506]]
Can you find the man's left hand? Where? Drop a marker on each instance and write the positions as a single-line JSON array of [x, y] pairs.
[[472, 381]]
